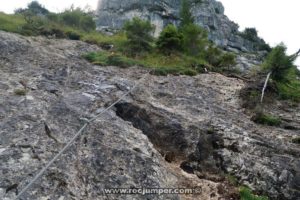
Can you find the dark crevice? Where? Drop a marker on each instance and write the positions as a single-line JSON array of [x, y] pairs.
[[166, 135], [198, 152]]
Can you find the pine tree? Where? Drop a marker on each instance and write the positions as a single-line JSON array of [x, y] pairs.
[[139, 36], [185, 13], [170, 40]]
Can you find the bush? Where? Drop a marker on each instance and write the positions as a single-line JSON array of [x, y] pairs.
[[212, 55], [227, 60], [194, 39], [35, 8], [170, 40], [33, 25], [110, 59], [121, 61], [246, 194], [266, 119], [77, 18], [20, 92], [73, 35], [139, 35], [250, 34], [218, 59]]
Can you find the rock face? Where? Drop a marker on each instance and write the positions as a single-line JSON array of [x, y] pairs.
[[171, 132], [112, 14]]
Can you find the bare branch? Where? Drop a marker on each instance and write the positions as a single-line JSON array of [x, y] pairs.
[[265, 86]]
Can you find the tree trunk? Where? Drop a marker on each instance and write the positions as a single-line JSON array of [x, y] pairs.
[[265, 86]]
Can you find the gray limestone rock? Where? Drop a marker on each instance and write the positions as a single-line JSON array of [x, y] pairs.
[[171, 132], [111, 15]]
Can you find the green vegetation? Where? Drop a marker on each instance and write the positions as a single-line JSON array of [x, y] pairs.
[[37, 20], [106, 58], [35, 8], [20, 92], [284, 73], [185, 13], [159, 63], [266, 119], [194, 39], [170, 40], [251, 35], [11, 23], [184, 50], [279, 63], [246, 194], [232, 179], [139, 36]]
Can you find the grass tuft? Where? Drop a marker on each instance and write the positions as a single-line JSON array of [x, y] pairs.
[[246, 194], [20, 92], [266, 119]]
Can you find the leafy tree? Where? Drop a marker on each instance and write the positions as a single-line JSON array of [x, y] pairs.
[[170, 40], [139, 36], [34, 8], [185, 13], [194, 39]]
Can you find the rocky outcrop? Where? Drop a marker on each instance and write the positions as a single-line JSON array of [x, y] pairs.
[[171, 132], [112, 14]]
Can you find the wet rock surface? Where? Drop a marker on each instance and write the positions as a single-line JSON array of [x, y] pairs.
[[171, 132]]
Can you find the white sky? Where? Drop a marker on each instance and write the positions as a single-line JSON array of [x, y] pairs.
[[9, 6], [276, 20]]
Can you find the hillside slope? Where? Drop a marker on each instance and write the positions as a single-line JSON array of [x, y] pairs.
[[174, 131]]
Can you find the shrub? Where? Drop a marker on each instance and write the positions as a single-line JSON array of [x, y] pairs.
[[139, 35], [35, 8], [170, 40], [250, 34], [112, 59], [73, 35], [20, 92], [246, 194], [194, 39], [33, 25], [121, 61], [212, 55], [227, 60], [266, 119], [76, 18]]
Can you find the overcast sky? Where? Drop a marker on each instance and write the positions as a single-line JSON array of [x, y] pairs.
[[276, 20]]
